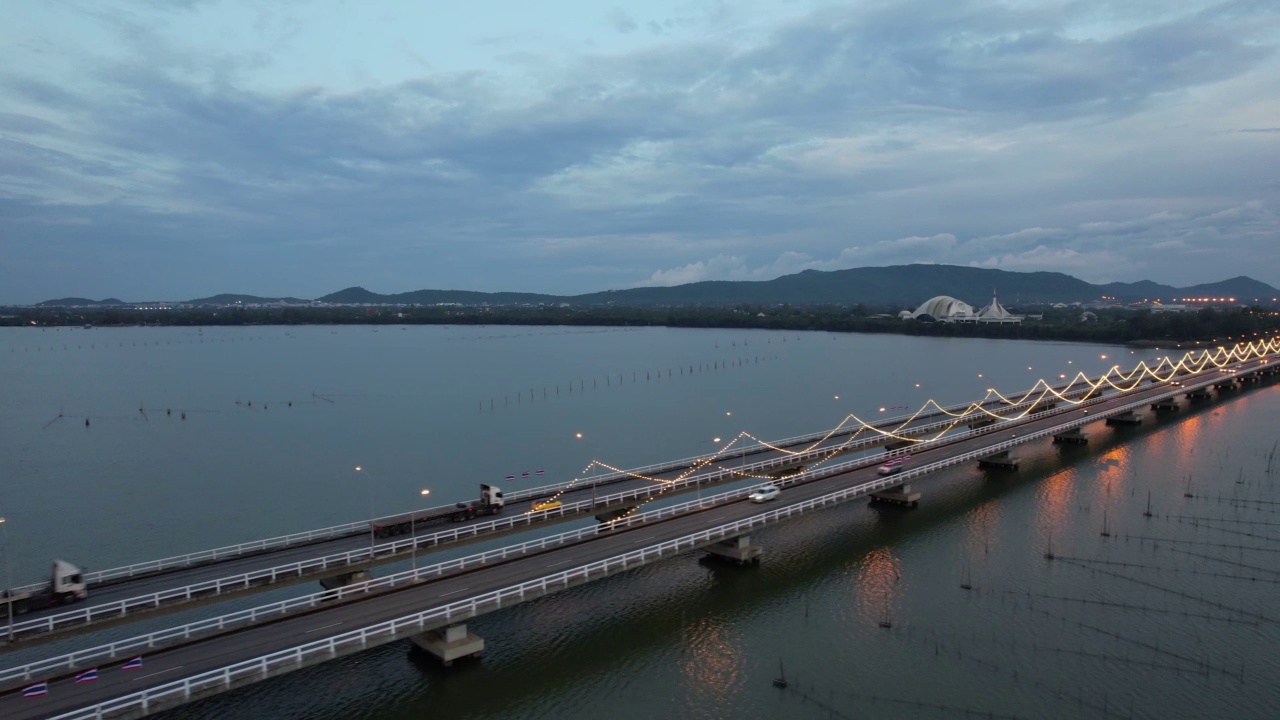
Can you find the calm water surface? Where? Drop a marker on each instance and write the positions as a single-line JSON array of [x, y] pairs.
[[1171, 616]]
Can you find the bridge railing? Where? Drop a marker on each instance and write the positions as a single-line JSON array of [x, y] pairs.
[[236, 583], [259, 668], [98, 577], [256, 614], [380, 633], [302, 568], [355, 528], [251, 615]]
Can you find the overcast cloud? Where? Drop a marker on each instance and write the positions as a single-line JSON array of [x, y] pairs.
[[155, 150]]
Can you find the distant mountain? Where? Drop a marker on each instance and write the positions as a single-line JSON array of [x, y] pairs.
[[229, 299], [1243, 289], [910, 285], [895, 285], [358, 295], [80, 302]]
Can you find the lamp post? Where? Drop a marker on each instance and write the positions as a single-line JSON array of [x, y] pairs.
[[413, 525], [697, 479], [361, 469], [8, 576]]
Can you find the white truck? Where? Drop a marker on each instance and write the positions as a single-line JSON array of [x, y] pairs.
[[66, 586], [490, 503]]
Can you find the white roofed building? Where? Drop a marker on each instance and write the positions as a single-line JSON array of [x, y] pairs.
[[945, 308], [995, 313]]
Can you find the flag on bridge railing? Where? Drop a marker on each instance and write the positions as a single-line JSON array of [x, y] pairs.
[[134, 664], [539, 472], [525, 474], [87, 676], [510, 478], [40, 689]]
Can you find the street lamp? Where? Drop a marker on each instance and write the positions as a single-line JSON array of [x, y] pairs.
[[413, 524], [361, 469], [8, 576]]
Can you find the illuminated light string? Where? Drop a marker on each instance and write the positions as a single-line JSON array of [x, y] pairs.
[[1189, 364], [1192, 362]]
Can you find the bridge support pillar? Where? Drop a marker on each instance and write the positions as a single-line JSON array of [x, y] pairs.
[[739, 550], [1166, 404], [339, 581], [1200, 394], [1129, 418], [900, 495], [449, 644], [1004, 460], [1074, 436]]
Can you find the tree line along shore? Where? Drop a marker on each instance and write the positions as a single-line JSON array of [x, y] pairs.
[[1108, 325]]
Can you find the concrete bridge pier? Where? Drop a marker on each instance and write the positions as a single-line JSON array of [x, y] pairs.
[[739, 550], [900, 495], [1074, 436], [1129, 418], [345, 579], [1166, 405], [1200, 394], [1003, 460], [450, 643]]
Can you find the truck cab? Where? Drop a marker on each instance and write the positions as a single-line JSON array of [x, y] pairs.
[[491, 496], [68, 582], [490, 503]]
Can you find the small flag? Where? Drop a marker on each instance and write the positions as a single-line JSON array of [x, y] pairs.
[[38, 690], [87, 676], [133, 664], [540, 471], [511, 477], [524, 474]]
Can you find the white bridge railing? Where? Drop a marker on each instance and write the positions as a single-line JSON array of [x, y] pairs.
[[390, 550], [252, 615], [361, 526]]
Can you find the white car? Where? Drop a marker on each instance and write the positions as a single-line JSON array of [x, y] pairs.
[[764, 493], [889, 469]]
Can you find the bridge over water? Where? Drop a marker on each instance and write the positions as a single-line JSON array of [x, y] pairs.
[[432, 602]]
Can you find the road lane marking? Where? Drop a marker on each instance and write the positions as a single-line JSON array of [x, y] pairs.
[[144, 677], [562, 562], [323, 628], [452, 592]]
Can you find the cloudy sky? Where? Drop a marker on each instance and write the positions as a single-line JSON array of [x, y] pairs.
[[174, 149]]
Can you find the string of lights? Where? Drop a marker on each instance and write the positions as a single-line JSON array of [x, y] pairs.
[[1078, 391]]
